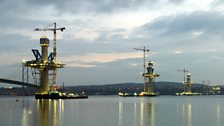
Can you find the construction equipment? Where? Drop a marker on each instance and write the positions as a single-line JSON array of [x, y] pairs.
[[144, 53], [54, 29], [149, 75], [187, 84], [184, 71]]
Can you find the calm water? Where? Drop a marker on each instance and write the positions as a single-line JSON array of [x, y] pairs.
[[114, 111]]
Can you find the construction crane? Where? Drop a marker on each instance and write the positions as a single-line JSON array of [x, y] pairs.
[[54, 29], [184, 71], [187, 84], [144, 51]]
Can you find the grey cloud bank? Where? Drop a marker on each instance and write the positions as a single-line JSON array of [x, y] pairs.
[[189, 38]]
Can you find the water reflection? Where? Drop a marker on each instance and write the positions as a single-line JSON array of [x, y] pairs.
[[218, 111], [110, 111], [26, 113], [42, 112], [120, 111], [147, 112], [46, 112], [187, 111], [142, 112]]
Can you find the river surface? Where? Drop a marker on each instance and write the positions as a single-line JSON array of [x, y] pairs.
[[113, 111]]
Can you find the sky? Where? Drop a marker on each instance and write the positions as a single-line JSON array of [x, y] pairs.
[[98, 43]]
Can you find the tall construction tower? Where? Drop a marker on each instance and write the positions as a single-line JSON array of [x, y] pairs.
[[148, 76], [187, 84], [54, 29], [144, 53], [184, 71], [45, 62]]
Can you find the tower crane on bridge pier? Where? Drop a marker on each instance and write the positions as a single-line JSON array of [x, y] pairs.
[[144, 53], [149, 89], [187, 83], [184, 71], [54, 29]]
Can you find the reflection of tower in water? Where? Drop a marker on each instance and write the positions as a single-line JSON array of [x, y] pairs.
[[26, 113], [120, 110], [187, 111], [50, 112], [218, 111], [43, 112], [142, 114], [147, 110]]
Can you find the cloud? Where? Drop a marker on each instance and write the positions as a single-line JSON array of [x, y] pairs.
[[178, 52], [101, 34], [91, 59], [209, 22], [99, 6], [83, 65], [194, 31]]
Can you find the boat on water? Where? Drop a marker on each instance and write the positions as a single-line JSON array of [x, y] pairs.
[[152, 94], [127, 94], [60, 95], [188, 94], [142, 94]]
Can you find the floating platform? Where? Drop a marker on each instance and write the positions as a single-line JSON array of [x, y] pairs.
[[58, 95], [142, 94], [127, 94], [187, 94], [146, 94]]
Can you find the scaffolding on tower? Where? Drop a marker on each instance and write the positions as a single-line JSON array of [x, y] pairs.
[[187, 84], [54, 29]]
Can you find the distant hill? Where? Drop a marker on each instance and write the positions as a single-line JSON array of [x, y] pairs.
[[165, 88]]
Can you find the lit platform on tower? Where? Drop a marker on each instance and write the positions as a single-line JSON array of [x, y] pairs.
[[45, 63], [149, 87], [59, 95], [187, 94], [187, 87]]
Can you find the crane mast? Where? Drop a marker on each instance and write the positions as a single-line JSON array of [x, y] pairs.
[[184, 71], [54, 29], [144, 53], [187, 82], [149, 75]]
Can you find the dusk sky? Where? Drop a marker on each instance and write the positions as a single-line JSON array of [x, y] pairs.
[[97, 45]]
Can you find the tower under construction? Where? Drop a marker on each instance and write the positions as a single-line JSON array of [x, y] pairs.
[[149, 89], [45, 62], [187, 85], [149, 76]]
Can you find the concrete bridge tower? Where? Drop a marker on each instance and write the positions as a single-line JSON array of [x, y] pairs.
[[44, 67], [44, 62], [150, 75]]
